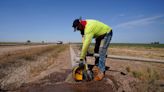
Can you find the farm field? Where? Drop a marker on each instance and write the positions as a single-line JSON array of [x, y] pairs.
[[46, 68], [150, 75], [23, 64], [152, 51]]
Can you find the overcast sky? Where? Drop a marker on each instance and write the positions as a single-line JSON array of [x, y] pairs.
[[133, 21]]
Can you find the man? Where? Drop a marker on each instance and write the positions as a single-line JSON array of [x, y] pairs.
[[102, 33]]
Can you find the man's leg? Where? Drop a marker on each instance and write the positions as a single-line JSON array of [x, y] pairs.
[[97, 46], [99, 70], [103, 50], [96, 50]]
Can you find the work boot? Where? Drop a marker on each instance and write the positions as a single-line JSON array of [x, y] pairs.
[[98, 74]]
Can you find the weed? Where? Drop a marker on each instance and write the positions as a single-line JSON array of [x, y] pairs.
[[152, 74], [137, 74], [128, 69]]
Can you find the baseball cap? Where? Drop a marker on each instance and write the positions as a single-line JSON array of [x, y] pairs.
[[75, 24]]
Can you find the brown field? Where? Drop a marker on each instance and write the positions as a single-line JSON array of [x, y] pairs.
[[150, 75], [152, 53], [21, 64], [44, 68], [141, 51]]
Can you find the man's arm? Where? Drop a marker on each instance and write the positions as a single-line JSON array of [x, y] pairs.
[[86, 42], [82, 39]]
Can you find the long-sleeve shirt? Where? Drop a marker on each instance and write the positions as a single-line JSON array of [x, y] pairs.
[[93, 29]]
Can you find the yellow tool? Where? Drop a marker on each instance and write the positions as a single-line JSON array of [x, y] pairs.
[[82, 73]]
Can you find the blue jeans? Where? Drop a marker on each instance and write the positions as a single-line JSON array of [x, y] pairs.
[[103, 50]]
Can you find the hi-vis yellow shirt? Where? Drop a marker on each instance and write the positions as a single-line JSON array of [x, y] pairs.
[[93, 29]]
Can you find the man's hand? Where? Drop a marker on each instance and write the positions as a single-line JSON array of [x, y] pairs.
[[81, 63]]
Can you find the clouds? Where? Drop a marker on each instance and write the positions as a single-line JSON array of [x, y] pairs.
[[139, 23]]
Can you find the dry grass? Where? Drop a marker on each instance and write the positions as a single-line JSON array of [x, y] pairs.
[[128, 69], [49, 60], [154, 53], [135, 51], [27, 54], [149, 80], [150, 75], [19, 66], [147, 73]]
